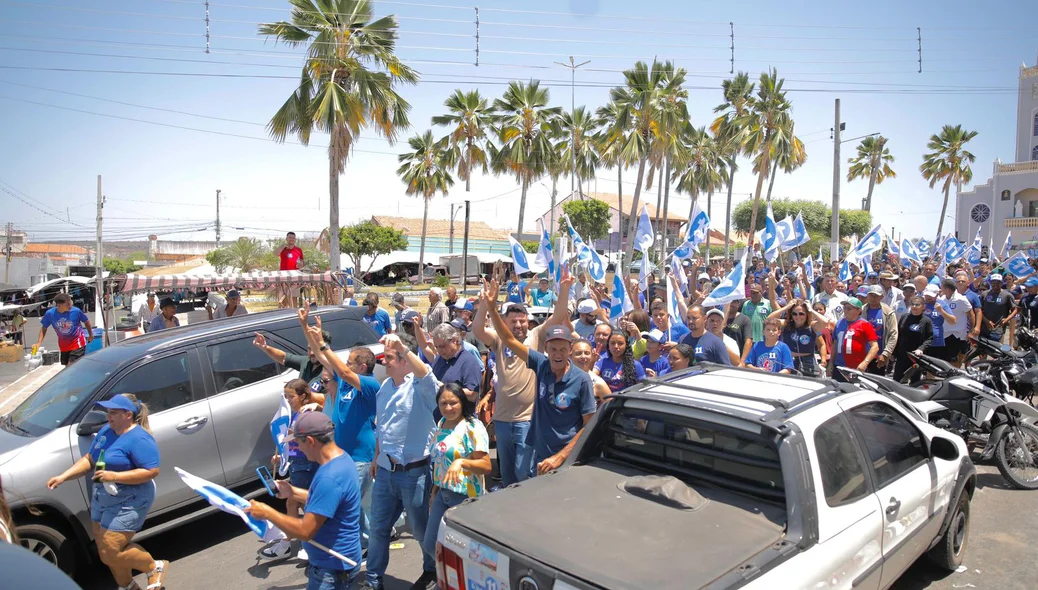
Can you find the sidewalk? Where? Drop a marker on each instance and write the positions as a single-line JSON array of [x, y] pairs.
[[24, 386]]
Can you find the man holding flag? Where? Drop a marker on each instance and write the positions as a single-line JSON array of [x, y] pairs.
[[330, 525]]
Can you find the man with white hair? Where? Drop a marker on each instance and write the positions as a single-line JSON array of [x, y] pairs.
[[438, 311]]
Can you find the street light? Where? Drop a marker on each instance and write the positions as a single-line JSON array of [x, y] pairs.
[[572, 107], [453, 215]]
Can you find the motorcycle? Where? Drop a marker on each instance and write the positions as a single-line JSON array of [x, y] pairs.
[[1012, 371], [959, 403]]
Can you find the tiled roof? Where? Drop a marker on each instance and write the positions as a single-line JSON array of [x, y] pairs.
[[478, 230], [54, 249]]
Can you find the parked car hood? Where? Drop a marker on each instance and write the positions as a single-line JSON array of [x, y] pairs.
[[11, 444]]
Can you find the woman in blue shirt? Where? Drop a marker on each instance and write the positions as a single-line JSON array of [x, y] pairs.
[[125, 460], [618, 368]]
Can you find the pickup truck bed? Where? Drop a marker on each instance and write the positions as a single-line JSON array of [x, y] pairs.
[[616, 541]]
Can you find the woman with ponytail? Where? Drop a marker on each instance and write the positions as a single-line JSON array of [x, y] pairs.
[[125, 461]]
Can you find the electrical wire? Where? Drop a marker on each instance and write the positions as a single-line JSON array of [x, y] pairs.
[[47, 213]]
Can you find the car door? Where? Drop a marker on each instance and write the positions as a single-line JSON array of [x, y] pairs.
[[904, 481], [179, 419], [245, 389]]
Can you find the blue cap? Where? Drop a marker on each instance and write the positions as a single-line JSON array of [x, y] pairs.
[[463, 304], [1031, 282], [119, 402]]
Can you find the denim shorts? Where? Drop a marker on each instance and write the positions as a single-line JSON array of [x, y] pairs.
[[124, 512], [301, 473]]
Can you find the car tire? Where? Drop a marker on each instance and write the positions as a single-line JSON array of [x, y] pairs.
[[950, 550], [50, 543]]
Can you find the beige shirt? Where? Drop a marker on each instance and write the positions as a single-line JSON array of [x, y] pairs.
[[438, 314], [516, 386]]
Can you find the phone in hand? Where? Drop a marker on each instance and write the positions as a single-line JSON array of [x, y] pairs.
[[267, 480]]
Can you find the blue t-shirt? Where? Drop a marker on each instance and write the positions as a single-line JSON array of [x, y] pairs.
[[540, 298], [335, 495], [135, 449], [674, 333], [708, 348], [516, 291], [875, 317], [353, 414], [559, 408], [464, 368], [938, 325], [68, 327], [613, 374], [972, 297], [771, 358], [379, 322], [660, 367]]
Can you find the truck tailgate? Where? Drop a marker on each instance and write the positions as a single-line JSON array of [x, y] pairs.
[[621, 540]]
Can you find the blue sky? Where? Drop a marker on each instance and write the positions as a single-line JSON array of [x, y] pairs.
[[163, 179]]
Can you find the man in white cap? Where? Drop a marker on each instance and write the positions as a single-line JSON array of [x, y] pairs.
[[998, 309], [585, 325]]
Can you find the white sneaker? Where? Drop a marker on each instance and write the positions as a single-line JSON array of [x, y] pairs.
[[301, 554], [279, 550]]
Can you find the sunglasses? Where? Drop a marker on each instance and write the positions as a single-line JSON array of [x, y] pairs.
[[798, 313]]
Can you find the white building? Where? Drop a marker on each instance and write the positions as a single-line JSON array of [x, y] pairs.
[[1008, 201]]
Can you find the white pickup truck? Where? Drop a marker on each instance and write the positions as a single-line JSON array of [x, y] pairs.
[[724, 478]]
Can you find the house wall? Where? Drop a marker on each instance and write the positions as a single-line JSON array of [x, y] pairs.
[[1027, 116]]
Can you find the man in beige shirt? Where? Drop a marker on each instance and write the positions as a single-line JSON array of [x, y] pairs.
[[438, 312], [514, 392]]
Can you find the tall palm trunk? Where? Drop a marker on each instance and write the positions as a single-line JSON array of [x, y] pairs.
[[421, 251], [872, 185], [620, 209], [771, 181], [756, 202], [659, 205], [666, 204], [709, 198], [468, 158], [728, 212], [944, 211], [633, 224], [554, 195], [334, 248], [522, 208]]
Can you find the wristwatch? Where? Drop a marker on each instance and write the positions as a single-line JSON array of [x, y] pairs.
[[323, 348]]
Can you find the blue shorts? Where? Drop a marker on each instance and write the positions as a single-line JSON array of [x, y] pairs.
[[124, 512], [301, 473]]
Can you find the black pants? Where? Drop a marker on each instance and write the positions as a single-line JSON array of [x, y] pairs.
[[901, 366], [875, 369], [71, 356]]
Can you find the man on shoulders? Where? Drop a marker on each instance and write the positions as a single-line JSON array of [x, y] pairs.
[[542, 295], [375, 316], [291, 256]]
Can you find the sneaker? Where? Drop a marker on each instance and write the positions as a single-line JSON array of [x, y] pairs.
[[279, 550], [426, 582], [301, 554]]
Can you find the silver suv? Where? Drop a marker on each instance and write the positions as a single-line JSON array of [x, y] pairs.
[[212, 395]]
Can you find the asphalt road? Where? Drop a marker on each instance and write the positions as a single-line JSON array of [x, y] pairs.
[[217, 552]]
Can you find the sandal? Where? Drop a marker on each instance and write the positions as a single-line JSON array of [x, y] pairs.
[[158, 575], [133, 586]]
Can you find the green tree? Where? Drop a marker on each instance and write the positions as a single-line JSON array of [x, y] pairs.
[[241, 255], [766, 124], [873, 162], [700, 165], [118, 266], [788, 154], [949, 161], [348, 83], [590, 218], [469, 117], [314, 260], [425, 171], [728, 132], [576, 131], [368, 238], [817, 219], [609, 142], [530, 246], [523, 129], [671, 119]]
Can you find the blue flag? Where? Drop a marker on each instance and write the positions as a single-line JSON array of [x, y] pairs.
[[953, 250], [785, 233], [800, 235], [869, 243], [644, 237], [923, 247], [1008, 245], [809, 270], [582, 249], [973, 255], [845, 271], [732, 288], [977, 241], [672, 307], [910, 252], [698, 225], [770, 237], [675, 267], [226, 500], [279, 426], [619, 303], [519, 259], [546, 255], [1018, 266], [596, 269]]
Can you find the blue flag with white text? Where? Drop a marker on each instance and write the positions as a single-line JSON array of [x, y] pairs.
[[731, 288]]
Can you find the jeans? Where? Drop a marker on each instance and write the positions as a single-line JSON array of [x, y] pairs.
[[438, 505], [326, 579], [393, 492], [364, 474], [514, 456]]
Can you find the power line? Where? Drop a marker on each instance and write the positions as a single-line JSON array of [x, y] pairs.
[[47, 213]]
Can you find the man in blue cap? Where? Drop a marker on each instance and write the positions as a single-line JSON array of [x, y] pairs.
[[1029, 303]]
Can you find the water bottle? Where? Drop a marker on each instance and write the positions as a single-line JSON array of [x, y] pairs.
[[109, 486]]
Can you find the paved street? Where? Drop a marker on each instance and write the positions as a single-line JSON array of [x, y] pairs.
[[217, 552]]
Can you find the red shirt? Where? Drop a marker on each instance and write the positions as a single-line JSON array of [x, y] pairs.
[[852, 342], [291, 258]]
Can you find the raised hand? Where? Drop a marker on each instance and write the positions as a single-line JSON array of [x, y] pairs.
[[393, 342], [304, 315], [259, 341]]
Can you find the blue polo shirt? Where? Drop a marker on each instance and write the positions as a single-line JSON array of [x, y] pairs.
[[516, 291], [404, 419], [379, 322], [708, 348], [540, 298], [559, 408], [335, 495], [972, 297], [463, 369], [353, 413]]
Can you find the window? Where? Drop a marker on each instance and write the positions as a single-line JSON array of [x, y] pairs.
[[162, 384], [238, 363], [345, 333], [1034, 154], [1032, 208], [1036, 124], [894, 445], [57, 399], [843, 475], [1005, 195]]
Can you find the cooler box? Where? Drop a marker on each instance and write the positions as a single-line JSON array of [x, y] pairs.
[[97, 342], [10, 352]]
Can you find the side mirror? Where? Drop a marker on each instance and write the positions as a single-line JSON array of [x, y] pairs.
[[942, 448], [91, 423]]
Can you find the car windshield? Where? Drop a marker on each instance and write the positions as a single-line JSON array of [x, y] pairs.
[[58, 398]]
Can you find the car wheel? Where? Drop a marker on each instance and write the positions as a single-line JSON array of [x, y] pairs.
[[51, 544], [950, 550]]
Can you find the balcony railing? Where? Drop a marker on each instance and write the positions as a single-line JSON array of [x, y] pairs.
[[1021, 222], [1018, 167]]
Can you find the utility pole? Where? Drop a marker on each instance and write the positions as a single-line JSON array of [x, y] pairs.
[[217, 219], [7, 254], [834, 248], [451, 247], [465, 252], [572, 107], [99, 267]]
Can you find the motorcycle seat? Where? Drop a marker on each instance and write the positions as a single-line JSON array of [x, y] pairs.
[[912, 394]]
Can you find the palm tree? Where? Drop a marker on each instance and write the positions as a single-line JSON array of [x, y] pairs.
[[576, 131], [348, 83], [637, 102], [672, 118], [789, 154], [948, 161], [470, 117], [609, 142], [700, 166], [425, 171], [524, 131], [766, 124], [728, 134], [872, 162]]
